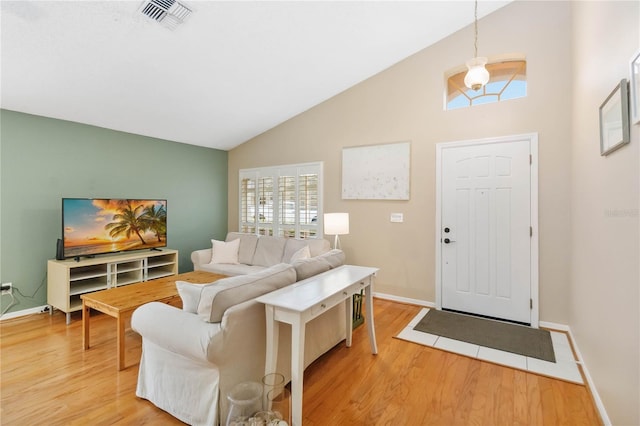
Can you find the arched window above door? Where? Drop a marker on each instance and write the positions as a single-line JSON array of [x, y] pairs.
[[508, 81]]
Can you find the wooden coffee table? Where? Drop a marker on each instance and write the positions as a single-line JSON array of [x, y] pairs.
[[120, 302]]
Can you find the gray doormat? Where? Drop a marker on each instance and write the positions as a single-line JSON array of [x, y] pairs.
[[517, 339]]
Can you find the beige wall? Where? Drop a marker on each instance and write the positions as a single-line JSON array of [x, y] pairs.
[[605, 283], [404, 103], [588, 204]]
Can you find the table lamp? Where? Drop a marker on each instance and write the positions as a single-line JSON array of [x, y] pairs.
[[336, 224]]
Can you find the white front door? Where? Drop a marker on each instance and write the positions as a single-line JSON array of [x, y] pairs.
[[485, 228]]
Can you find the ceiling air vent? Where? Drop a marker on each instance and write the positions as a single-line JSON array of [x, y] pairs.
[[170, 13]]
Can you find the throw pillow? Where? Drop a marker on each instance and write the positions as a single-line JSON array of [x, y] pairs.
[[303, 253], [225, 252]]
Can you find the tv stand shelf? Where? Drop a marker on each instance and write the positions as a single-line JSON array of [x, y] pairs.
[[68, 279]]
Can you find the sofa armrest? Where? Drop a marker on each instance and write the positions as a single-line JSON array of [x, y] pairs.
[[242, 335], [201, 257], [178, 331]]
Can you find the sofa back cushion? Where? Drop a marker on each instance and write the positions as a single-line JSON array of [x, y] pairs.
[[269, 251], [248, 244], [306, 268], [225, 293], [334, 257]]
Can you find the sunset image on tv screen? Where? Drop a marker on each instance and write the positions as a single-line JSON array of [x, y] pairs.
[[94, 226]]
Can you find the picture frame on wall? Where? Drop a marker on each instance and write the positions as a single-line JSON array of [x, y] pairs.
[[614, 119], [377, 172], [634, 88]]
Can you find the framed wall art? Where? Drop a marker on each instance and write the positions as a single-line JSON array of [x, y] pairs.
[[376, 172], [634, 89], [614, 119]]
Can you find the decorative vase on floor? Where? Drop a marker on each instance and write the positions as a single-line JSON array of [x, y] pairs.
[[270, 382], [280, 403], [245, 399]]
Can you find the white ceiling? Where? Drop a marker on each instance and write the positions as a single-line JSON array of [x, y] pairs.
[[232, 71]]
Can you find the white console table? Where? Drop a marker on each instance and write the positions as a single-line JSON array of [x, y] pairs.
[[301, 302]]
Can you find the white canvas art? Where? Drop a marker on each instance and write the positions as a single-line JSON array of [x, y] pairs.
[[376, 172]]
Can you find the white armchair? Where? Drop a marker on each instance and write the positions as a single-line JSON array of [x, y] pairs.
[[188, 365]]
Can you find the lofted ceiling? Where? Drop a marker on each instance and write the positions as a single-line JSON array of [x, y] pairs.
[[230, 72]]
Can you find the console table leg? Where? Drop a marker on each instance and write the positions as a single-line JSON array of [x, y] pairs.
[[297, 369], [349, 319], [273, 334], [369, 309]]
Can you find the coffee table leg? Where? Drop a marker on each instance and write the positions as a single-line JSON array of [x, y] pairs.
[[121, 322], [86, 318]]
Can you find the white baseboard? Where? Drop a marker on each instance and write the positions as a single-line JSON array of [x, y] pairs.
[[24, 312], [592, 387], [404, 300]]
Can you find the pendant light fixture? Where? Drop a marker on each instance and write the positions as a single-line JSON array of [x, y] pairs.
[[477, 76]]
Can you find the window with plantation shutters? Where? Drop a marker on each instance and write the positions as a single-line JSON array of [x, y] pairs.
[[282, 201]]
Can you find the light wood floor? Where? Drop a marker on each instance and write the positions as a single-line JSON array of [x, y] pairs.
[[47, 378]]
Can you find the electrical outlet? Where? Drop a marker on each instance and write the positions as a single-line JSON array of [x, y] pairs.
[[7, 288]]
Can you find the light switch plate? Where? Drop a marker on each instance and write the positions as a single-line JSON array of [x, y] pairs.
[[397, 217]]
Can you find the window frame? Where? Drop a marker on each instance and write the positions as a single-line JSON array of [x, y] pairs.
[[276, 227]]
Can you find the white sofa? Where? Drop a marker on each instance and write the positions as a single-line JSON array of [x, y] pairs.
[[192, 357], [258, 252]]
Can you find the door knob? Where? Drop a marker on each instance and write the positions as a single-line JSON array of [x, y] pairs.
[[447, 241]]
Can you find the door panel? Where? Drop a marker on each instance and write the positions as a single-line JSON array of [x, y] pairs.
[[485, 235]]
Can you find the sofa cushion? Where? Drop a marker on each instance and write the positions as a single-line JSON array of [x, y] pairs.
[[248, 244], [269, 251], [225, 252], [334, 257], [228, 292], [306, 268]]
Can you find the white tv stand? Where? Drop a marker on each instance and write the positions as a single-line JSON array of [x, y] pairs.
[[68, 279]]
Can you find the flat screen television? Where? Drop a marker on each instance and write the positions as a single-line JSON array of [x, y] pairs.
[[93, 226]]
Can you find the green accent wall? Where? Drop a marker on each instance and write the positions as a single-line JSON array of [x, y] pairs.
[[43, 160]]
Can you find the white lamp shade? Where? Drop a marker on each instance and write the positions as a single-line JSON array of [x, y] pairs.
[[477, 76], [336, 223]]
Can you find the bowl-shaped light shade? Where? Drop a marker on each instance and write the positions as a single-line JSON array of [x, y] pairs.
[[336, 223], [477, 76]]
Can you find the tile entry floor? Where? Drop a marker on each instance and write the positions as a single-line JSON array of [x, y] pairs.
[[564, 368]]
